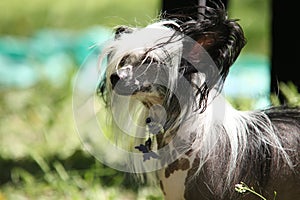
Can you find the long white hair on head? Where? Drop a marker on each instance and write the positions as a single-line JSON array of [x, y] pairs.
[[126, 115], [156, 41]]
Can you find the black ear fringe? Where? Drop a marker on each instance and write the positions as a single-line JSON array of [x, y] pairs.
[[203, 97], [101, 90], [227, 35]]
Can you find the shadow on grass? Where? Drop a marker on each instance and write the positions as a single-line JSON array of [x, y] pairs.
[[80, 163]]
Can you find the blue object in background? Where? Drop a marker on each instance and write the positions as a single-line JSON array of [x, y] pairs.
[[48, 54], [51, 54], [250, 77]]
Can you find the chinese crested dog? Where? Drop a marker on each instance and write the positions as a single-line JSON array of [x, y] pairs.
[[167, 78]]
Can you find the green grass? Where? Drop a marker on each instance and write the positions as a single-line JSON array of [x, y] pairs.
[[41, 156], [255, 19], [61, 184], [24, 18]]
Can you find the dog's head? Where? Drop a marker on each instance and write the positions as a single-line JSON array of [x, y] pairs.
[[151, 63]]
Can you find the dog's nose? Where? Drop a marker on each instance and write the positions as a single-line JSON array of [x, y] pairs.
[[124, 85], [124, 73]]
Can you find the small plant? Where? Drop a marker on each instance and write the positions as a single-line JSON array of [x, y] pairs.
[[243, 188], [290, 95]]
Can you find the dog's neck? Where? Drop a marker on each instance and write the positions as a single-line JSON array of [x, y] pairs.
[[172, 115]]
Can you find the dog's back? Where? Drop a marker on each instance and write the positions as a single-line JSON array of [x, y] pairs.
[[282, 178]]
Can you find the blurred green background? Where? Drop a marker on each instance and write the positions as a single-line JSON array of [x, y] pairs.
[[25, 18], [42, 45]]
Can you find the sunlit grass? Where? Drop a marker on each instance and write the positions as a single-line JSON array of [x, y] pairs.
[[24, 18], [37, 119], [62, 184], [41, 155]]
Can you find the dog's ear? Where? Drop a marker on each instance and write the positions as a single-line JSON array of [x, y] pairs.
[[222, 38], [219, 37], [207, 41], [203, 43], [122, 30], [223, 42]]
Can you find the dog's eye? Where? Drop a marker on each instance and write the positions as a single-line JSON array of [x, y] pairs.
[[123, 61], [148, 60]]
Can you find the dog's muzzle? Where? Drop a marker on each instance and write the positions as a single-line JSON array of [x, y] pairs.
[[123, 82], [128, 80]]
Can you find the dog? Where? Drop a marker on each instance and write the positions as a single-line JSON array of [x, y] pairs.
[[168, 77]]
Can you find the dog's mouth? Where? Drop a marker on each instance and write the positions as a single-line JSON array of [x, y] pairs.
[[128, 81]]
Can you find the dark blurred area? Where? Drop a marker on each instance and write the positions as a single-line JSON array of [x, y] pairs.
[[284, 42], [186, 7]]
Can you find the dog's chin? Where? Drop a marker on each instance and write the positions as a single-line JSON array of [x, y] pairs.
[[126, 90], [149, 99]]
